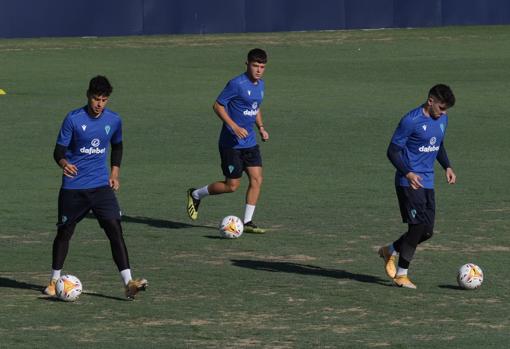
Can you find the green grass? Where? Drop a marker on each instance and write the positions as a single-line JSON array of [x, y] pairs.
[[332, 102]]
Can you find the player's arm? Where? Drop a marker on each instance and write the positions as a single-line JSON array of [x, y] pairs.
[[223, 115], [260, 125], [394, 154], [59, 155], [115, 161], [442, 158]]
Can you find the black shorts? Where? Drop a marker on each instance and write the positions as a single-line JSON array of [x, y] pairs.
[[417, 206], [235, 161], [75, 204]]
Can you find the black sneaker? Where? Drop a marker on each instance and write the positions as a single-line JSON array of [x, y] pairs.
[[250, 227], [192, 207]]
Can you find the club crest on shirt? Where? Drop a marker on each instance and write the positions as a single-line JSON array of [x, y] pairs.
[[107, 129], [84, 127]]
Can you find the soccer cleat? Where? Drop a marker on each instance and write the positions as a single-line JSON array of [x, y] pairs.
[[50, 289], [250, 227], [403, 281], [135, 286], [193, 204], [389, 261]]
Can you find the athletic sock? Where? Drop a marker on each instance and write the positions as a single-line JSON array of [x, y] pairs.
[[391, 249], [126, 275], [248, 213], [401, 271], [199, 193], [55, 274]]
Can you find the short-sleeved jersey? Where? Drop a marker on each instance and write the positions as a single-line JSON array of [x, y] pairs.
[[88, 140], [241, 99], [420, 137]]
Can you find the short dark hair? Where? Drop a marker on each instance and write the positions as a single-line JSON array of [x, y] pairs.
[[444, 94], [99, 86], [257, 55]]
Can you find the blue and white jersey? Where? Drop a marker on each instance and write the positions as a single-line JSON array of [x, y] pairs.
[[241, 99], [88, 140], [419, 136]]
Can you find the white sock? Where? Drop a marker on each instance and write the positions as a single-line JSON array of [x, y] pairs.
[[401, 271], [248, 213], [200, 193], [55, 274], [392, 250], [126, 275]]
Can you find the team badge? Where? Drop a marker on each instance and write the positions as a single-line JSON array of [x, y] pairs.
[[107, 129]]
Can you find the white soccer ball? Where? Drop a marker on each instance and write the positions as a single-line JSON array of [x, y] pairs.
[[231, 227], [470, 276], [68, 288]]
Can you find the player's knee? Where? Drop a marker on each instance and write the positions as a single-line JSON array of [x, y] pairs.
[[112, 228], [232, 186], [65, 232], [256, 181], [427, 233]]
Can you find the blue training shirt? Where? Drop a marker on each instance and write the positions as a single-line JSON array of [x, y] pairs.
[[87, 140], [241, 99], [420, 137]]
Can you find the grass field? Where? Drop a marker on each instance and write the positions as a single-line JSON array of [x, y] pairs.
[[314, 280]]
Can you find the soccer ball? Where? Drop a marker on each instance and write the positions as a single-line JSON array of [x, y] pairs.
[[470, 276], [231, 227], [68, 288]]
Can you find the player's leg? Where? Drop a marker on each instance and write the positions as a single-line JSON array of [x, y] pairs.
[[232, 167], [414, 211], [429, 215], [389, 253], [106, 208], [252, 161], [73, 205]]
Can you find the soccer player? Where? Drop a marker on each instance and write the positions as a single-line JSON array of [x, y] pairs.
[[238, 107], [81, 151], [414, 147]]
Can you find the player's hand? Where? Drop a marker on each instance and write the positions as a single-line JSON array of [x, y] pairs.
[[264, 134], [114, 183], [451, 178], [240, 132], [414, 180], [70, 170]]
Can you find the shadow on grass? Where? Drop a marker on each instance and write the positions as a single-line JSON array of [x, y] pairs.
[[157, 223], [95, 294], [55, 299], [306, 269], [452, 287], [10, 283]]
